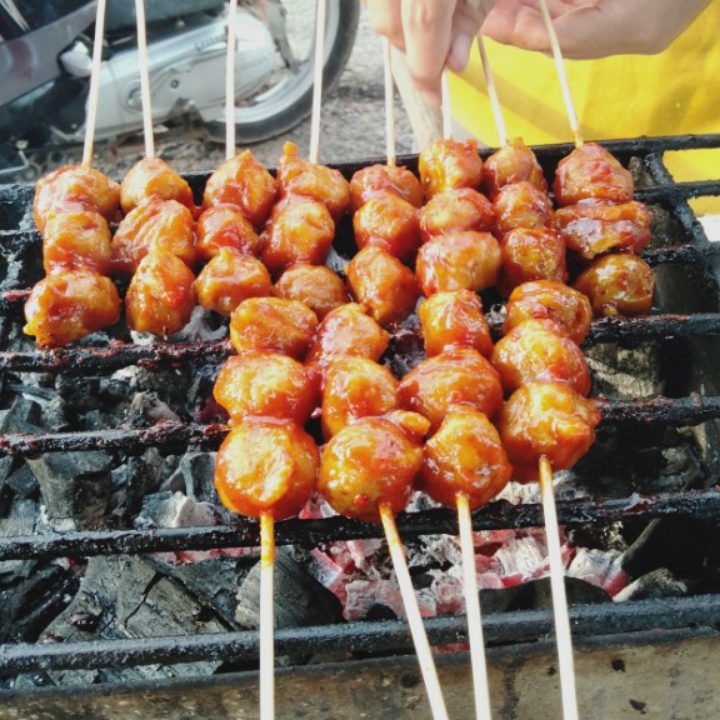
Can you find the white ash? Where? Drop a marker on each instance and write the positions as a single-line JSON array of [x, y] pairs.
[[202, 327], [149, 405]]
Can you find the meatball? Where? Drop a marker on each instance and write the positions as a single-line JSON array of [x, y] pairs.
[[267, 384], [454, 319], [465, 456], [590, 171], [619, 284], [225, 226], [448, 164], [373, 462], [269, 323], [568, 309], [75, 187], [515, 162], [152, 178], [300, 230], [321, 289], [546, 419], [229, 278], [456, 210], [266, 466], [355, 388], [348, 330], [378, 179], [316, 182], [244, 182], [537, 351], [76, 239], [458, 261], [382, 284], [531, 254], [521, 205], [457, 377], [388, 222], [68, 305], [165, 225], [592, 228], [161, 295]]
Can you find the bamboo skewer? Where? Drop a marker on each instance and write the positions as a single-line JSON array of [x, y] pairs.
[[562, 75], [389, 105], [144, 79], [492, 93], [267, 618], [230, 83], [417, 629], [446, 114], [559, 598], [314, 155], [94, 91]]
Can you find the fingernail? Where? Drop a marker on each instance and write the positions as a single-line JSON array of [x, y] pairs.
[[460, 52]]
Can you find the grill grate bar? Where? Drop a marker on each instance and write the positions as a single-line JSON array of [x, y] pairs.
[[700, 505], [522, 626]]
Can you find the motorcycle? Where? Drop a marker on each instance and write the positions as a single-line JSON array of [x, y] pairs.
[[46, 61]]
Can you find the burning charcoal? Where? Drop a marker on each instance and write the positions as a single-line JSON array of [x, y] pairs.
[[196, 471], [623, 373], [21, 481], [23, 416], [658, 584], [174, 510], [134, 479], [146, 409], [300, 600], [74, 485]]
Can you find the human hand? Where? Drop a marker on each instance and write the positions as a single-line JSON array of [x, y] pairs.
[[433, 34], [587, 29]]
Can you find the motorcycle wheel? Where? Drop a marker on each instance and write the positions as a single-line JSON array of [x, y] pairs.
[[285, 104]]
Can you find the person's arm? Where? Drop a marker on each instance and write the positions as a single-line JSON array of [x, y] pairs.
[[434, 34], [587, 29]]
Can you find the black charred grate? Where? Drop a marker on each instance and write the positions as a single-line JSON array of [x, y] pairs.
[[684, 328]]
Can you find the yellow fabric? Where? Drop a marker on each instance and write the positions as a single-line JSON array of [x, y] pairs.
[[674, 93]]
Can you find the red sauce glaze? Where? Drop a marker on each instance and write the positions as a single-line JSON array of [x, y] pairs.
[[522, 205], [511, 164], [460, 377], [546, 419], [67, 306], [244, 182], [537, 254], [464, 456], [456, 210], [372, 462], [458, 261], [76, 239], [229, 278], [161, 295], [454, 319], [321, 289], [153, 225], [383, 285], [225, 226], [390, 223], [447, 164], [355, 388], [267, 384], [152, 178], [269, 323], [619, 284], [379, 179], [567, 308], [591, 228], [590, 171], [266, 466], [537, 351]]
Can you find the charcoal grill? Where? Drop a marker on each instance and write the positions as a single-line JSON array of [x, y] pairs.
[[650, 656]]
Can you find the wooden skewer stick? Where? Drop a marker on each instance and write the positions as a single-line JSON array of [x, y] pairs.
[[230, 83], [94, 92], [389, 105], [562, 75], [559, 598], [492, 92], [446, 114], [144, 79], [320, 20], [417, 629], [472, 610], [267, 618]]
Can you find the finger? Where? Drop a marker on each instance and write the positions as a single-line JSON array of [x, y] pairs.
[[427, 25], [385, 19], [465, 26]]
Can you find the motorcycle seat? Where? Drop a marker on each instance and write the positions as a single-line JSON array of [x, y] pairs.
[[120, 14]]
